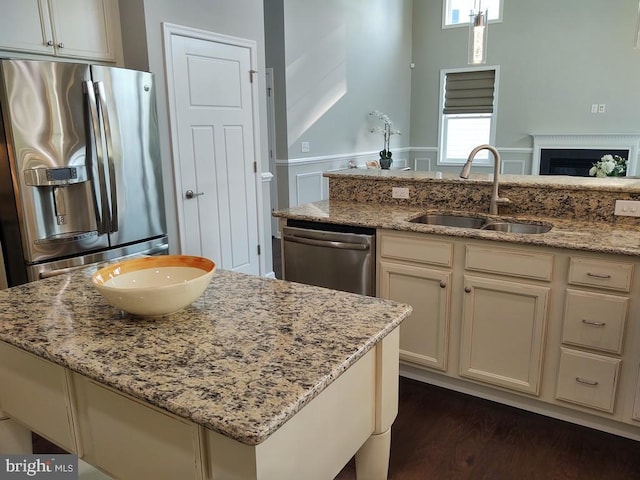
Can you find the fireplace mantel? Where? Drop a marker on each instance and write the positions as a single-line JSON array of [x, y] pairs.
[[613, 141]]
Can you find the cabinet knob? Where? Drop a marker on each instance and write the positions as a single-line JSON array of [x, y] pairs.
[[61, 45], [443, 284], [467, 289], [50, 43]]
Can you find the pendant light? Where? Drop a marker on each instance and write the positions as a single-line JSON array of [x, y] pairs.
[[636, 39], [478, 26]]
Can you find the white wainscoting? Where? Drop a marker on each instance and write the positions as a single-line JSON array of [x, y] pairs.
[[301, 180], [515, 161]]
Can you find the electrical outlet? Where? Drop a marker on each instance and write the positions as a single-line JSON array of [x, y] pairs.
[[305, 147], [594, 108], [627, 208], [601, 107], [398, 192]]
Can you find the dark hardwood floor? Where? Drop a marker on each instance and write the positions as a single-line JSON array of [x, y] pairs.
[[441, 434], [277, 257]]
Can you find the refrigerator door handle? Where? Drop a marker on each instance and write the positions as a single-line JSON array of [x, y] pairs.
[[101, 207], [100, 93]]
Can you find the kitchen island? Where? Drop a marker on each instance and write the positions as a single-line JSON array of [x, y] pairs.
[[257, 379]]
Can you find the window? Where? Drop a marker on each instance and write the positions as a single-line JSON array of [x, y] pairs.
[[456, 12], [468, 115]]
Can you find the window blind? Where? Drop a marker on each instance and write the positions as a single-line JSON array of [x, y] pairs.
[[469, 92]]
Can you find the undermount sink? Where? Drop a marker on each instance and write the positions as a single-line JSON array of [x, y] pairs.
[[479, 223], [450, 220], [513, 227]]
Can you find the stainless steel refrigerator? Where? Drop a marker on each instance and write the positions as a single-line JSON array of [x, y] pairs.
[[80, 172]]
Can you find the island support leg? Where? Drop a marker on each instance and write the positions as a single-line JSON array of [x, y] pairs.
[[372, 459]]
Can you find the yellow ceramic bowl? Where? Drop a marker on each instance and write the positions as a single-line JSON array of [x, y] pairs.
[[154, 286]]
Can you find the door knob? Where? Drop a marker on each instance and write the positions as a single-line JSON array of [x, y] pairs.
[[191, 194]]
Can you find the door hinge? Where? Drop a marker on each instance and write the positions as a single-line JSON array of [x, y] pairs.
[[258, 249], [255, 167], [251, 74]]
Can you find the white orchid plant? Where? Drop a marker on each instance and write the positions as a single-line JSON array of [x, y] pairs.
[[609, 166], [387, 130]]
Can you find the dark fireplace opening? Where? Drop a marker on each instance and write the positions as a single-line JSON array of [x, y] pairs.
[[573, 161]]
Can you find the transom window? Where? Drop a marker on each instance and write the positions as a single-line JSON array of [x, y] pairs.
[[468, 113], [456, 12]]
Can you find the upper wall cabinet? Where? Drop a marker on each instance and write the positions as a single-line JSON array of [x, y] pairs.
[[82, 29]]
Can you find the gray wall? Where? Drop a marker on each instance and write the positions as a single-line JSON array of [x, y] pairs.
[[239, 18], [342, 59], [556, 59]]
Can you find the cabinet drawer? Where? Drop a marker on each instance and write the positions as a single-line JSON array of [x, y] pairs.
[[113, 425], [35, 392], [415, 248], [595, 320], [600, 273], [504, 261], [587, 379]]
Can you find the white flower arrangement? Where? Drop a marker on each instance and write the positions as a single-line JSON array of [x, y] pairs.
[[387, 131], [609, 166]]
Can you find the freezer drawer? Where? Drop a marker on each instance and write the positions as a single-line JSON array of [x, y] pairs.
[[338, 260]]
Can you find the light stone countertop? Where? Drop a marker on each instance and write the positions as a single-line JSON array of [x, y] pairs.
[[577, 235], [613, 184], [241, 360]]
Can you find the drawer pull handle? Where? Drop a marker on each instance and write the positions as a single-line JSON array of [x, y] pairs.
[[591, 383], [593, 324], [598, 275]]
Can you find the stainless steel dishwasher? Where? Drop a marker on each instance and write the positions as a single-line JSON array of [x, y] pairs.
[[327, 255]]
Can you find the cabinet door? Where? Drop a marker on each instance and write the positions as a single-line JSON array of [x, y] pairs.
[[82, 28], [25, 26], [503, 329], [130, 439], [35, 392], [423, 335]]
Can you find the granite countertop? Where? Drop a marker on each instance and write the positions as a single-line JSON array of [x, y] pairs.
[[612, 184], [577, 235], [241, 360]]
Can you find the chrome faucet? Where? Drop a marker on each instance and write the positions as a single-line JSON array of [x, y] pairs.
[[495, 198]]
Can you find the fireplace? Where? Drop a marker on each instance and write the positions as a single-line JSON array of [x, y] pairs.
[[574, 154], [573, 161]]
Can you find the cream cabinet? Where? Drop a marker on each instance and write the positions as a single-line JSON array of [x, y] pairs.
[[504, 319], [408, 272], [540, 328], [113, 425], [39, 395], [594, 324], [81, 29], [503, 329]]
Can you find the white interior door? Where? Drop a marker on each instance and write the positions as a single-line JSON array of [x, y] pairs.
[[213, 127]]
